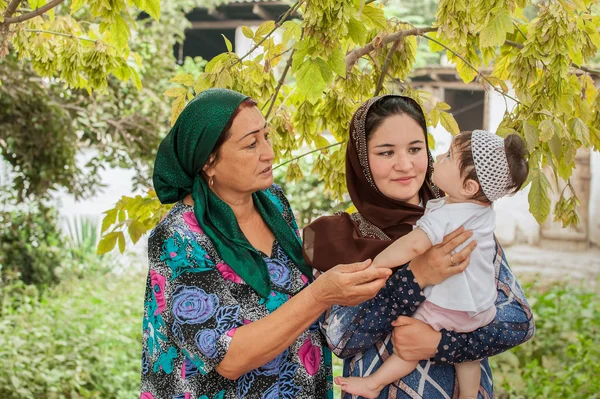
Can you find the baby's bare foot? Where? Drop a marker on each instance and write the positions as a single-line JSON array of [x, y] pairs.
[[364, 387]]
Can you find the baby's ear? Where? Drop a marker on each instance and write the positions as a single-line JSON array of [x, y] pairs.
[[470, 188]]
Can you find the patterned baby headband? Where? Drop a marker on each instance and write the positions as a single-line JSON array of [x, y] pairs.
[[491, 164]]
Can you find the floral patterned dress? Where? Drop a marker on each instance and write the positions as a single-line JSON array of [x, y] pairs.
[[193, 304]]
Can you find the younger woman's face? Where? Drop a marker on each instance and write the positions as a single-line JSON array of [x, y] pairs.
[[398, 158]]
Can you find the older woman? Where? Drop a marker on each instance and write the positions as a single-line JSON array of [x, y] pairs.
[[229, 305], [388, 172]]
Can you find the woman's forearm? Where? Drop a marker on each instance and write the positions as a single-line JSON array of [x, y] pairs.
[[259, 342]]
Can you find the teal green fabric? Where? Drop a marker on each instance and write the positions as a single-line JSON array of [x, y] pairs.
[[179, 161]]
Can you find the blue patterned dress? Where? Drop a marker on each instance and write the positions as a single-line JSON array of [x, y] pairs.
[[194, 302], [361, 335]]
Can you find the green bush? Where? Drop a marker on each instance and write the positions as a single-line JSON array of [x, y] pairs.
[[563, 358], [31, 245], [81, 340]]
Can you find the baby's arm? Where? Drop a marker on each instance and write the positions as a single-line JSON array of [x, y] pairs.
[[404, 249]]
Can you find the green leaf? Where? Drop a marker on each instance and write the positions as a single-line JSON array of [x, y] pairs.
[[35, 4], [224, 80], [539, 201], [175, 92], [121, 239], [556, 147], [433, 46], [466, 73], [76, 5], [581, 131], [494, 34], [107, 243], [357, 31], [567, 162], [217, 63], [434, 115], [374, 17], [449, 123], [136, 230], [119, 32], [442, 106], [177, 107], [547, 130], [227, 43], [246, 31], [310, 79], [186, 79], [291, 30], [321, 141], [153, 8], [337, 62], [531, 135], [109, 219], [264, 29]]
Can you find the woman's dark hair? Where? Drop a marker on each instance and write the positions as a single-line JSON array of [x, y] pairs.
[[225, 134], [393, 105], [516, 155]]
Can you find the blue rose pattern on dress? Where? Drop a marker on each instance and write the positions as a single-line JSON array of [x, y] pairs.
[[279, 272], [192, 305], [206, 341]]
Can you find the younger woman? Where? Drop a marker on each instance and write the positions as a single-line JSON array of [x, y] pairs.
[[478, 169]]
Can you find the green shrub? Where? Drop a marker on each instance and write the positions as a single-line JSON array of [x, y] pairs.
[[81, 340], [563, 358], [31, 245]]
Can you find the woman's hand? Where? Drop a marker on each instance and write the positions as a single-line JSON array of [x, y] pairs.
[[439, 262], [349, 285], [414, 340]]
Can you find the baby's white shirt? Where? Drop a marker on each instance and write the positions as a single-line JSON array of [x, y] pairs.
[[473, 290]]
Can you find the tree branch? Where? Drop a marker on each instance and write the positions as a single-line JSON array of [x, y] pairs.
[[386, 65], [32, 14], [279, 84], [60, 34], [519, 29], [310, 152], [4, 31], [10, 10], [355, 55], [277, 26], [586, 69]]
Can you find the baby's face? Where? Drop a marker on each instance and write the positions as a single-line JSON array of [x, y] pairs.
[[446, 173]]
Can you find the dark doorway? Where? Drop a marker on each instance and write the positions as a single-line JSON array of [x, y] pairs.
[[204, 43], [468, 107]]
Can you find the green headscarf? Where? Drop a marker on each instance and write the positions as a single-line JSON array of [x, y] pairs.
[[179, 161]]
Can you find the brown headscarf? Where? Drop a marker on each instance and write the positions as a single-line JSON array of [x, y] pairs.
[[344, 238]]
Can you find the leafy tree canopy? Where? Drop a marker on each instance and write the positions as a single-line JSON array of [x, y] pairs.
[[339, 54], [46, 118]]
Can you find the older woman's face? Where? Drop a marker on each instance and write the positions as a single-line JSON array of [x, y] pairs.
[[245, 158], [398, 158]]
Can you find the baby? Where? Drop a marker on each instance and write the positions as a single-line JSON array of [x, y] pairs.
[[479, 168]]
